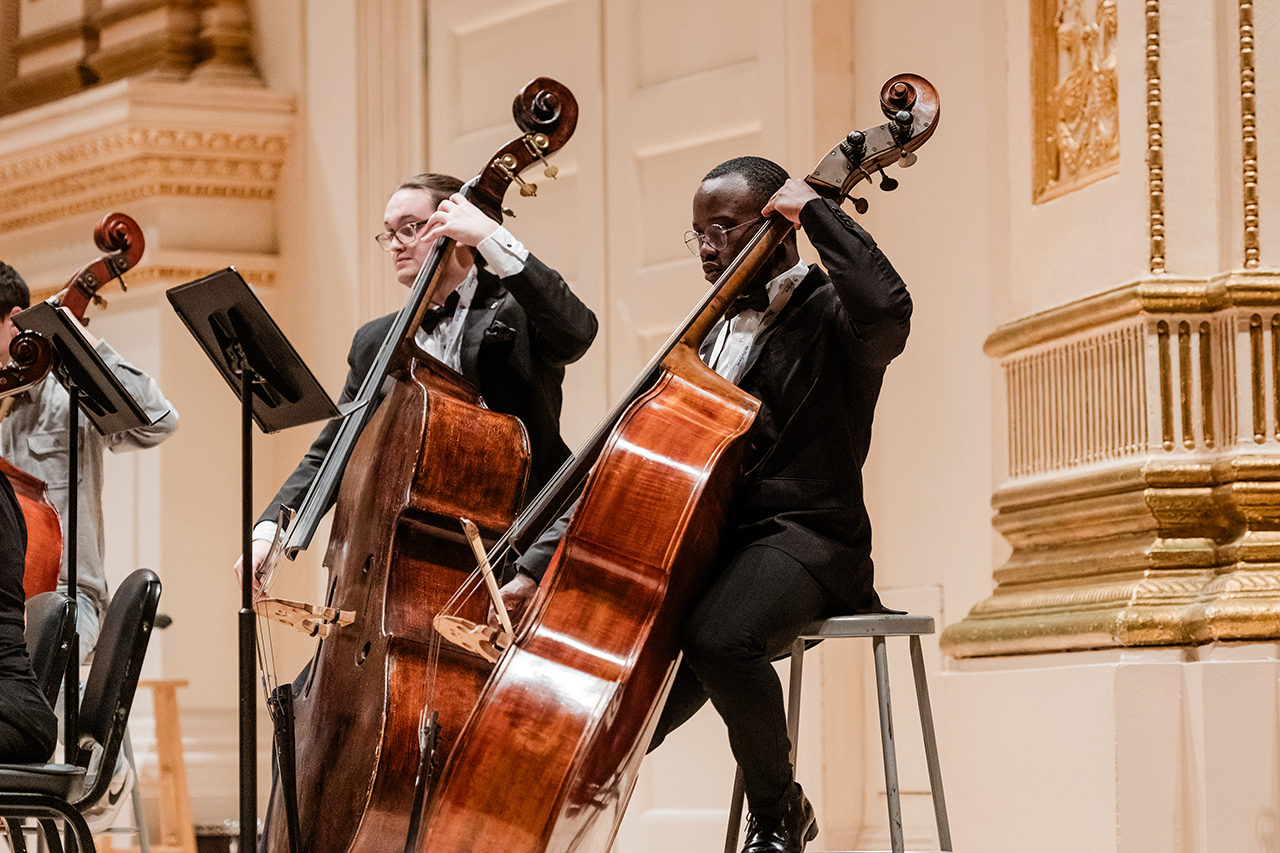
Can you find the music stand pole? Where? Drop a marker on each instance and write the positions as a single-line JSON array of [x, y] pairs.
[[277, 391], [71, 680], [248, 628]]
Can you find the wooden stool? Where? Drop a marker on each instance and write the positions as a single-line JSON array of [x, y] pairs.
[[177, 831], [877, 626]]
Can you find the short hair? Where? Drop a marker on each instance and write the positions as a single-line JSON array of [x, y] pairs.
[[441, 187], [13, 290], [763, 177]]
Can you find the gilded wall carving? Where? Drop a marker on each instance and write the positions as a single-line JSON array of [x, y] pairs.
[[1074, 94]]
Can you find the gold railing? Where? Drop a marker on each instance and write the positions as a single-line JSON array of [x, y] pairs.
[[1143, 497]]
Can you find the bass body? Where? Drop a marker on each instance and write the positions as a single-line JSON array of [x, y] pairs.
[[431, 454]]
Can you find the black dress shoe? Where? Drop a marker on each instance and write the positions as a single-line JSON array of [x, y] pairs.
[[787, 834]]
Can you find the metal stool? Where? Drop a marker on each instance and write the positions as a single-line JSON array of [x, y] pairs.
[[877, 626]]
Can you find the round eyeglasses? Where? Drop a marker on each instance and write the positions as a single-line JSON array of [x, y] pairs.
[[716, 236], [405, 234]]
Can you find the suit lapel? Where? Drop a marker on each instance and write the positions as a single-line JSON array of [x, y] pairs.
[[802, 292], [484, 308]]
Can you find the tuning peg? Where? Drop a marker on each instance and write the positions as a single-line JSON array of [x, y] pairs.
[[536, 143], [853, 147], [860, 205], [506, 211], [527, 189], [887, 183], [907, 160]]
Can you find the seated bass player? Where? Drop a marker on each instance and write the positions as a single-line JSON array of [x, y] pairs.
[[509, 323], [811, 343]]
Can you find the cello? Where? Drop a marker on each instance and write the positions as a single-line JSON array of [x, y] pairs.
[[32, 360], [549, 757], [120, 237], [365, 727]]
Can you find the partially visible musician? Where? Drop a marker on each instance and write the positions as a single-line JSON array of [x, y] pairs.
[[509, 324], [812, 346], [28, 727], [34, 436]]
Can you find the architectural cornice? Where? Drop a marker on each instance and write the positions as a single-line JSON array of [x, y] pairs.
[[1158, 295], [140, 139]]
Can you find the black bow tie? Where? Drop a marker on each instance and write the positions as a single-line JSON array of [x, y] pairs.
[[433, 316], [756, 299]]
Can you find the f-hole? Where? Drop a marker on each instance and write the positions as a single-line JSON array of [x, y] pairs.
[[362, 654]]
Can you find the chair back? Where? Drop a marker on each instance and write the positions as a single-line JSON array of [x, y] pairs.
[[113, 676], [48, 634]]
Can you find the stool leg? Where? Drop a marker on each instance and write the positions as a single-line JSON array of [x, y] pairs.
[[887, 745], [930, 744], [139, 819], [793, 698], [735, 813]]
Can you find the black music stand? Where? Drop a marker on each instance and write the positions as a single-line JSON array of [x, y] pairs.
[[276, 390], [95, 391]]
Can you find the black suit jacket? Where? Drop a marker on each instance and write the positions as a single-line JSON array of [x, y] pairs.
[[818, 376], [517, 337], [817, 373]]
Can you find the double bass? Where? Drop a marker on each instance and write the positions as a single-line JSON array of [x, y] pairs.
[[382, 696], [121, 239], [550, 755]]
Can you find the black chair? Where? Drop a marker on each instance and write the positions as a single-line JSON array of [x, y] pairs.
[[48, 634], [50, 792]]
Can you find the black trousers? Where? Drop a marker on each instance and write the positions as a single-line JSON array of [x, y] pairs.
[[752, 614], [28, 728]]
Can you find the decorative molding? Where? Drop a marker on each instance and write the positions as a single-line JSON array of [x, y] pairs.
[[167, 269], [1249, 135], [1155, 139], [1143, 499], [1154, 295], [140, 141]]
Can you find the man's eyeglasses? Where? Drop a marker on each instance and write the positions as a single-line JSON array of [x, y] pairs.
[[405, 234], [716, 236]]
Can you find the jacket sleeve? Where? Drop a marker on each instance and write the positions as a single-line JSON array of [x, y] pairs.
[[144, 390], [875, 305], [563, 327]]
